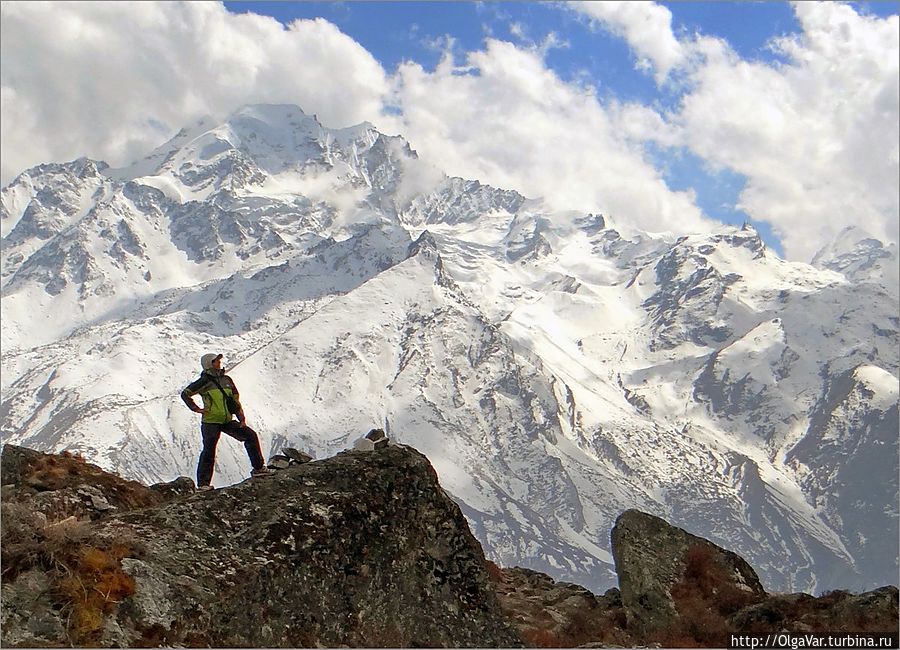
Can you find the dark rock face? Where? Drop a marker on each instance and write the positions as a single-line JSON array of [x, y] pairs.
[[679, 590], [653, 559], [363, 549], [296, 455]]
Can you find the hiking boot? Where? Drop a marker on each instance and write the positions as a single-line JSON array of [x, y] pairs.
[[262, 471], [205, 488]]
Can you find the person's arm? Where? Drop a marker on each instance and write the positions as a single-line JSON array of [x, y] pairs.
[[188, 393], [237, 400]]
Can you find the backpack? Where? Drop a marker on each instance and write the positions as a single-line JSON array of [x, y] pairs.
[[230, 402]]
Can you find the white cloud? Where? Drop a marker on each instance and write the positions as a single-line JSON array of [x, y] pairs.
[[112, 80], [506, 119], [519, 31], [647, 26], [817, 137], [98, 79]]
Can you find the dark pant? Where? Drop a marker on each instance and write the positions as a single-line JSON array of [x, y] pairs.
[[211, 433]]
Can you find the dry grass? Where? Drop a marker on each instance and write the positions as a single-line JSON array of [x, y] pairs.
[[494, 571], [92, 587], [542, 638], [704, 597], [85, 571], [57, 472], [597, 625]]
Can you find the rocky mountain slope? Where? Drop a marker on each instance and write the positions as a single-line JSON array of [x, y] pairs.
[[313, 556], [556, 368]]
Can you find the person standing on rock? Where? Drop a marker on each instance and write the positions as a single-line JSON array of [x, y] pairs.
[[221, 403]]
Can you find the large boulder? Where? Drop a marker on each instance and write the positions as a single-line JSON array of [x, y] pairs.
[[359, 550], [666, 574]]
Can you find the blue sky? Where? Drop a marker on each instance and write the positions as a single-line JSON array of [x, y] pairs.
[[665, 116], [398, 31]]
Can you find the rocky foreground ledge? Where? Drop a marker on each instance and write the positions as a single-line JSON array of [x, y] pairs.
[[361, 550]]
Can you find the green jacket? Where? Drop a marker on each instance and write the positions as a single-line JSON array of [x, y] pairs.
[[213, 398]]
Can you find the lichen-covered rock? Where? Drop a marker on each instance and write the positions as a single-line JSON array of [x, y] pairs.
[[279, 461], [356, 550], [652, 558], [375, 439], [181, 486], [28, 620], [547, 613], [837, 612]]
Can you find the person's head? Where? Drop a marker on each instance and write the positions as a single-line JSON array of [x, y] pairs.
[[211, 362]]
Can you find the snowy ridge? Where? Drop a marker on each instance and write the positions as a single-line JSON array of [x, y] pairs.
[[861, 257], [556, 367]]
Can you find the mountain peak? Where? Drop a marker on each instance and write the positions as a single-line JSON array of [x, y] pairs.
[[510, 336], [272, 138], [860, 256], [264, 117], [269, 112]]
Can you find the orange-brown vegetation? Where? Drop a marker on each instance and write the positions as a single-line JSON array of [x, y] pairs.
[[542, 638], [704, 597], [494, 571], [86, 575], [56, 472], [600, 625], [92, 587]]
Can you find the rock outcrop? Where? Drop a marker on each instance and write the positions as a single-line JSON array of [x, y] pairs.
[[547, 613], [360, 550], [655, 561], [680, 590]]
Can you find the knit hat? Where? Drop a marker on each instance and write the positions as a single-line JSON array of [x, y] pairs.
[[206, 360]]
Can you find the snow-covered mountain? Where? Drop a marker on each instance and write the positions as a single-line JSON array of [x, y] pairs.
[[556, 368]]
